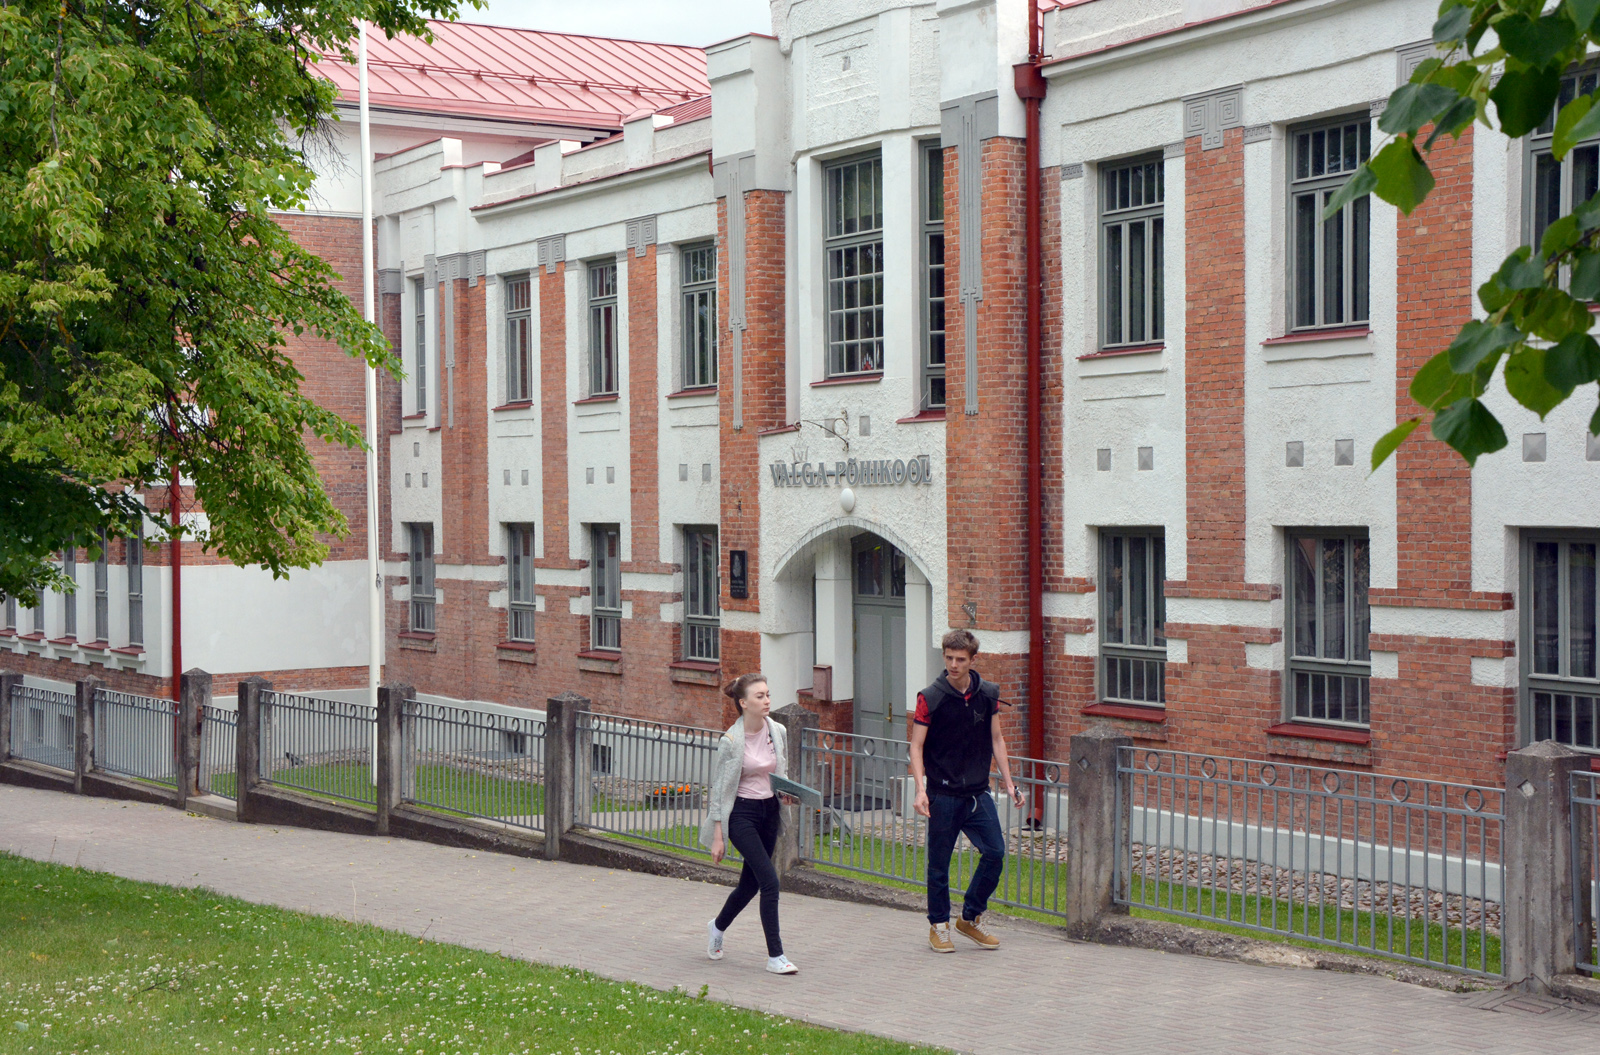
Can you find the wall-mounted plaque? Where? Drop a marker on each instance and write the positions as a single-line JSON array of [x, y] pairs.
[[738, 574]]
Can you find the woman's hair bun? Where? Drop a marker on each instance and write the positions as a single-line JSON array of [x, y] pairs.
[[738, 687]]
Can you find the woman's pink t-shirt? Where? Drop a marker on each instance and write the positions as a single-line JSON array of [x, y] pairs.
[[760, 761]]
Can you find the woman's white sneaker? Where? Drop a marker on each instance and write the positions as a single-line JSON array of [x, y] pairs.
[[781, 965], [713, 941]]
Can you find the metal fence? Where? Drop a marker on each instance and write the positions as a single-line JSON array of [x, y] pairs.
[[473, 763], [136, 736], [44, 724], [323, 747], [1399, 867], [1586, 869], [219, 743], [647, 781], [868, 825]]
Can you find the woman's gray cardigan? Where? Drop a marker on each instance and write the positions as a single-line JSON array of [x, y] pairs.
[[729, 767]]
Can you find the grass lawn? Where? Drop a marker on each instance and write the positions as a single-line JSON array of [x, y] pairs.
[[93, 963]]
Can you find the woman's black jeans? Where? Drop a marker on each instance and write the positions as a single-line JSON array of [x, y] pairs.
[[752, 829]]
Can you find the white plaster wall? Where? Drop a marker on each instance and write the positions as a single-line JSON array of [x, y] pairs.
[[255, 622]]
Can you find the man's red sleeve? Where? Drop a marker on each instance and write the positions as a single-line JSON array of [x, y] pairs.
[[921, 717]]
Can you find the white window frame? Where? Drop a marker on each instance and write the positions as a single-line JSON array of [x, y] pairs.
[[419, 344], [1133, 672], [102, 591], [1351, 671], [521, 604], [519, 338], [605, 587], [702, 614], [1132, 198], [1311, 183], [934, 276], [697, 298], [69, 598], [1561, 704], [1577, 176], [601, 278], [134, 549], [420, 571], [853, 265]]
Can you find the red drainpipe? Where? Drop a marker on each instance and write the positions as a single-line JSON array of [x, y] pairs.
[[1030, 86], [174, 511]]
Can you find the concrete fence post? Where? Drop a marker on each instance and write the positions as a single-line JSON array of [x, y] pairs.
[[1092, 827], [9, 680], [194, 695], [247, 751], [83, 736], [795, 720], [561, 771], [391, 761], [1537, 918]]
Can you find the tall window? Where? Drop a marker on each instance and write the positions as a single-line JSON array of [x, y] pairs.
[[519, 339], [38, 612], [69, 600], [603, 329], [698, 283], [701, 614], [1328, 258], [102, 598], [419, 339], [1133, 617], [932, 276], [421, 574], [1330, 664], [606, 593], [1557, 187], [1131, 252], [854, 240], [135, 548], [519, 567], [11, 613], [1562, 687]]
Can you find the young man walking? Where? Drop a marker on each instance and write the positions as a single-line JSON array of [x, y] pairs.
[[954, 739]]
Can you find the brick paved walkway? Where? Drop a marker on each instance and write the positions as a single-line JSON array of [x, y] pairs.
[[863, 968]]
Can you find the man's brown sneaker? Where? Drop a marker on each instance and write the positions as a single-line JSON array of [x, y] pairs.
[[939, 938], [973, 928]]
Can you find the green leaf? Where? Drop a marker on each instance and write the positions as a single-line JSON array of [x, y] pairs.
[[1458, 117], [1594, 423], [1525, 380], [1494, 295], [1436, 385], [1588, 214], [1476, 341], [1524, 98], [1403, 179], [1425, 68], [1586, 276], [1577, 121], [1582, 12], [1361, 182], [1521, 271], [1414, 105], [1536, 42], [1452, 25], [1573, 362], [1470, 428], [1559, 237], [1391, 441], [1552, 315]]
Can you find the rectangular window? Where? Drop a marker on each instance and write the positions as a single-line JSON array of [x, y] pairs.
[[700, 590], [419, 340], [606, 587], [1330, 665], [519, 568], [1328, 259], [1557, 187], [698, 283], [135, 547], [853, 233], [519, 339], [421, 574], [38, 612], [102, 598], [1132, 198], [69, 601], [932, 276], [1133, 617], [11, 619], [1561, 686], [603, 329]]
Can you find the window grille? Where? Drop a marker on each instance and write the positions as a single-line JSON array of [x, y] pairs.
[[419, 339], [698, 283], [702, 618], [519, 567], [1329, 278], [1330, 664], [1132, 265], [606, 591], [135, 548], [1133, 618], [519, 340], [603, 329], [854, 248], [421, 575], [1561, 690]]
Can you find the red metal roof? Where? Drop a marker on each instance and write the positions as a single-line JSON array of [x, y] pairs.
[[524, 75]]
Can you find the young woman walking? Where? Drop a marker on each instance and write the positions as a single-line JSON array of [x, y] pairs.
[[744, 811]]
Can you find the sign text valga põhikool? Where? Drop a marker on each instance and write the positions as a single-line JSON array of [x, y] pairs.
[[856, 472]]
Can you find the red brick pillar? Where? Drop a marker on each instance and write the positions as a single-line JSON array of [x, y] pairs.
[[644, 475], [553, 414]]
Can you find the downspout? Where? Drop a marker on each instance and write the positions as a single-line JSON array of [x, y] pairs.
[[1030, 87], [175, 511]]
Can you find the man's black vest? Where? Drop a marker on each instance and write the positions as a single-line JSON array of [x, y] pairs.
[[958, 752]]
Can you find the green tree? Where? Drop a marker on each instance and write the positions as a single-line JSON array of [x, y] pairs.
[[146, 295], [1537, 303]]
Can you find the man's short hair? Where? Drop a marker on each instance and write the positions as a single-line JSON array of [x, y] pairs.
[[960, 641]]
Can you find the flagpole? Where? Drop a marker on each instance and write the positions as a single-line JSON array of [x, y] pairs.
[[369, 308]]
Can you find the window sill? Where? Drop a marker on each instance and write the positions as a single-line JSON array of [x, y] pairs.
[[37, 637], [131, 650], [698, 390], [926, 415], [611, 398], [515, 404], [95, 646], [777, 429], [849, 379], [1302, 336], [1130, 349], [1133, 712], [695, 672], [1330, 733], [600, 662], [419, 640], [517, 652], [414, 417], [64, 642]]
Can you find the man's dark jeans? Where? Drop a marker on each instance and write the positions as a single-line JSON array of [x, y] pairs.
[[975, 817]]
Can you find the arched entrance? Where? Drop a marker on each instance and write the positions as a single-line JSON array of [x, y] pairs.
[[878, 603]]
